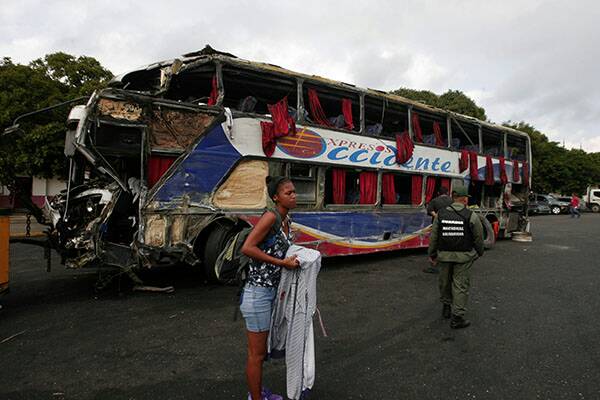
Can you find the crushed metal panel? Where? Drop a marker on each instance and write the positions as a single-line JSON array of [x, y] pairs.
[[155, 231], [245, 187], [118, 109], [178, 229], [176, 130]]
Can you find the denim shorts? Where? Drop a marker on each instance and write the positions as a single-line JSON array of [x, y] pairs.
[[256, 306]]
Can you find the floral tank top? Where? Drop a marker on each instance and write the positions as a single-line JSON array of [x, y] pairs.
[[276, 245]]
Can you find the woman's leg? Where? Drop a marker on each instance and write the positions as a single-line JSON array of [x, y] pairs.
[[257, 351]]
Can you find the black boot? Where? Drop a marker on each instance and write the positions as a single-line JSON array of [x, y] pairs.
[[458, 322], [446, 311]]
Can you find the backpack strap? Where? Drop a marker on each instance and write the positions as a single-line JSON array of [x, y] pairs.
[[278, 225]]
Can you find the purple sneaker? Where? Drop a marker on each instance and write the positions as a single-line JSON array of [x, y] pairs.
[[267, 395]]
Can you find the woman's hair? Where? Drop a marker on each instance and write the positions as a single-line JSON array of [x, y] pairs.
[[274, 183]]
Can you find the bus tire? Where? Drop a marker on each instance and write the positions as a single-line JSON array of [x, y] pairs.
[[489, 238], [215, 243]]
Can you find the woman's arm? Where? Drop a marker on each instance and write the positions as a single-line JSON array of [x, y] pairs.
[[257, 235]]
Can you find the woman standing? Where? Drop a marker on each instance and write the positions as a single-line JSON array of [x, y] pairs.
[[266, 246]]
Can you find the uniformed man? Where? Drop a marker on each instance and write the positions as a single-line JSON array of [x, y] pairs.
[[456, 241], [443, 200]]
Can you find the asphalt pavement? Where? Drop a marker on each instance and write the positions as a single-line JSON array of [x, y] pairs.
[[534, 333]]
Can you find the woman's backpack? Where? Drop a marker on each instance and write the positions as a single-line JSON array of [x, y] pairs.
[[231, 266]]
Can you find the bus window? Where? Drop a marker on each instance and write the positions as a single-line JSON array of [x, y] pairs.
[[304, 178], [193, 85], [517, 147], [493, 196], [343, 186], [121, 146], [433, 128], [331, 107], [465, 136], [475, 191], [384, 118], [251, 92], [493, 142], [406, 190]]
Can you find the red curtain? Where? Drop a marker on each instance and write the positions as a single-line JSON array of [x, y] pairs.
[[214, 93], [437, 132], [389, 189], [283, 124], [489, 171], [339, 185], [404, 147], [516, 174], [268, 137], [368, 187], [282, 120], [416, 125], [347, 111], [445, 182], [416, 190], [473, 166], [503, 176], [429, 189], [157, 166], [525, 173], [316, 111], [463, 163]]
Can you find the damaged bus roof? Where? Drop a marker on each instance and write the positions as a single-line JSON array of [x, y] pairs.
[[192, 60]]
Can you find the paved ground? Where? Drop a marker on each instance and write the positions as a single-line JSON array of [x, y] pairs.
[[534, 309]]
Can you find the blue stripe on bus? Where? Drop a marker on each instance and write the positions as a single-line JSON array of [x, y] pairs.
[[366, 226], [202, 170]]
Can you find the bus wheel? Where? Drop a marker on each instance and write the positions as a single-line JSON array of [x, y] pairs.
[[489, 238], [215, 243]]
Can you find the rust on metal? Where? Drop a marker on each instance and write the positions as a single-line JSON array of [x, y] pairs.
[[176, 130], [118, 109]]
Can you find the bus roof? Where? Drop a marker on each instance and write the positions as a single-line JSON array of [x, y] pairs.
[[208, 54]]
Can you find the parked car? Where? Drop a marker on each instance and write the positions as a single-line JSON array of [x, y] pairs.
[[553, 204], [538, 208]]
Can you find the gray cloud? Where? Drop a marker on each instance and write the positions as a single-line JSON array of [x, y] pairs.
[[534, 61]]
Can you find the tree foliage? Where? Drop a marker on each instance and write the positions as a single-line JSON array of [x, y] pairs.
[[452, 100], [556, 169], [36, 148]]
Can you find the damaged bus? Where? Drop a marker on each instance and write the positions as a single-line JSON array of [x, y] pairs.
[[169, 161]]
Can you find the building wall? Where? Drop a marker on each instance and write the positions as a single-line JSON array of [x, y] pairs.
[[5, 197], [40, 188]]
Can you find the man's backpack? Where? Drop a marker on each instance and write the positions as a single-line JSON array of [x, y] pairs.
[[231, 266]]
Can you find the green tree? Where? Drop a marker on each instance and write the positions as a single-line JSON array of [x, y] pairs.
[[452, 100], [36, 148], [422, 96], [457, 101]]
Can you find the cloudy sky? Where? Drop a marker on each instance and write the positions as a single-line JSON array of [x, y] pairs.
[[528, 60]]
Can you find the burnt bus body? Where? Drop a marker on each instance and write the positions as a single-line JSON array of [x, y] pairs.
[[166, 164]]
